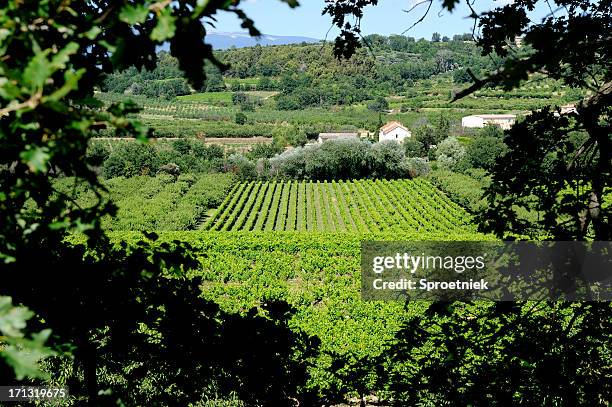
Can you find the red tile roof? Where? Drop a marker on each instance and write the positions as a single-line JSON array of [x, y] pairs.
[[391, 126]]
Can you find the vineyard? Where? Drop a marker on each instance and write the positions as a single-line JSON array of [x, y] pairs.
[[318, 275], [156, 203], [212, 114], [256, 247], [188, 202], [346, 206]]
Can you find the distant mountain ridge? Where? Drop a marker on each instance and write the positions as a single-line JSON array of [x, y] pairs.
[[225, 40]]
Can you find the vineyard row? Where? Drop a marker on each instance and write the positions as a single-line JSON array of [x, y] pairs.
[[362, 206]]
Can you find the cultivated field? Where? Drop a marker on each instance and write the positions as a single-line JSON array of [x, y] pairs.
[[317, 274], [156, 203], [346, 206]]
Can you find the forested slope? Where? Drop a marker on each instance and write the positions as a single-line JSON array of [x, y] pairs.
[[389, 64]]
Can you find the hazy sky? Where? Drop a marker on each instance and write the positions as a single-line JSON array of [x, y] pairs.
[[275, 17]]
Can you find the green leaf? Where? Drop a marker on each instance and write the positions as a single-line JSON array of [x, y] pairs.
[[110, 47], [8, 90], [93, 33], [22, 354], [12, 319], [165, 27], [59, 225], [24, 357], [38, 70], [36, 158], [134, 14], [60, 59], [71, 82]]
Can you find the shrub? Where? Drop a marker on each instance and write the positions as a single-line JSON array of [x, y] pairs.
[[446, 162], [129, 159], [387, 160], [165, 88], [298, 138], [461, 75], [426, 136], [449, 152], [289, 164], [240, 118], [182, 146], [340, 159], [248, 106], [262, 168], [202, 151], [262, 150], [238, 98], [491, 131], [97, 153], [192, 156], [442, 129], [417, 166], [380, 104], [484, 151], [461, 189], [170, 168], [239, 165], [413, 148], [479, 174], [287, 102], [289, 136], [244, 101]]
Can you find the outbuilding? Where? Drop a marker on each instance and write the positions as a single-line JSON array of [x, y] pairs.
[[393, 131], [505, 121], [323, 137]]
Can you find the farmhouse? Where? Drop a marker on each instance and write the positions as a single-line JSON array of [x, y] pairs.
[[505, 121], [323, 137], [393, 131]]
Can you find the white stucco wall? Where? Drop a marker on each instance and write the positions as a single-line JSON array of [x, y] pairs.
[[503, 123], [398, 134], [472, 121], [480, 122]]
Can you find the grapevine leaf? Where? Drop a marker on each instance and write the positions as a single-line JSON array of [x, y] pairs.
[[36, 158], [134, 14], [165, 27]]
